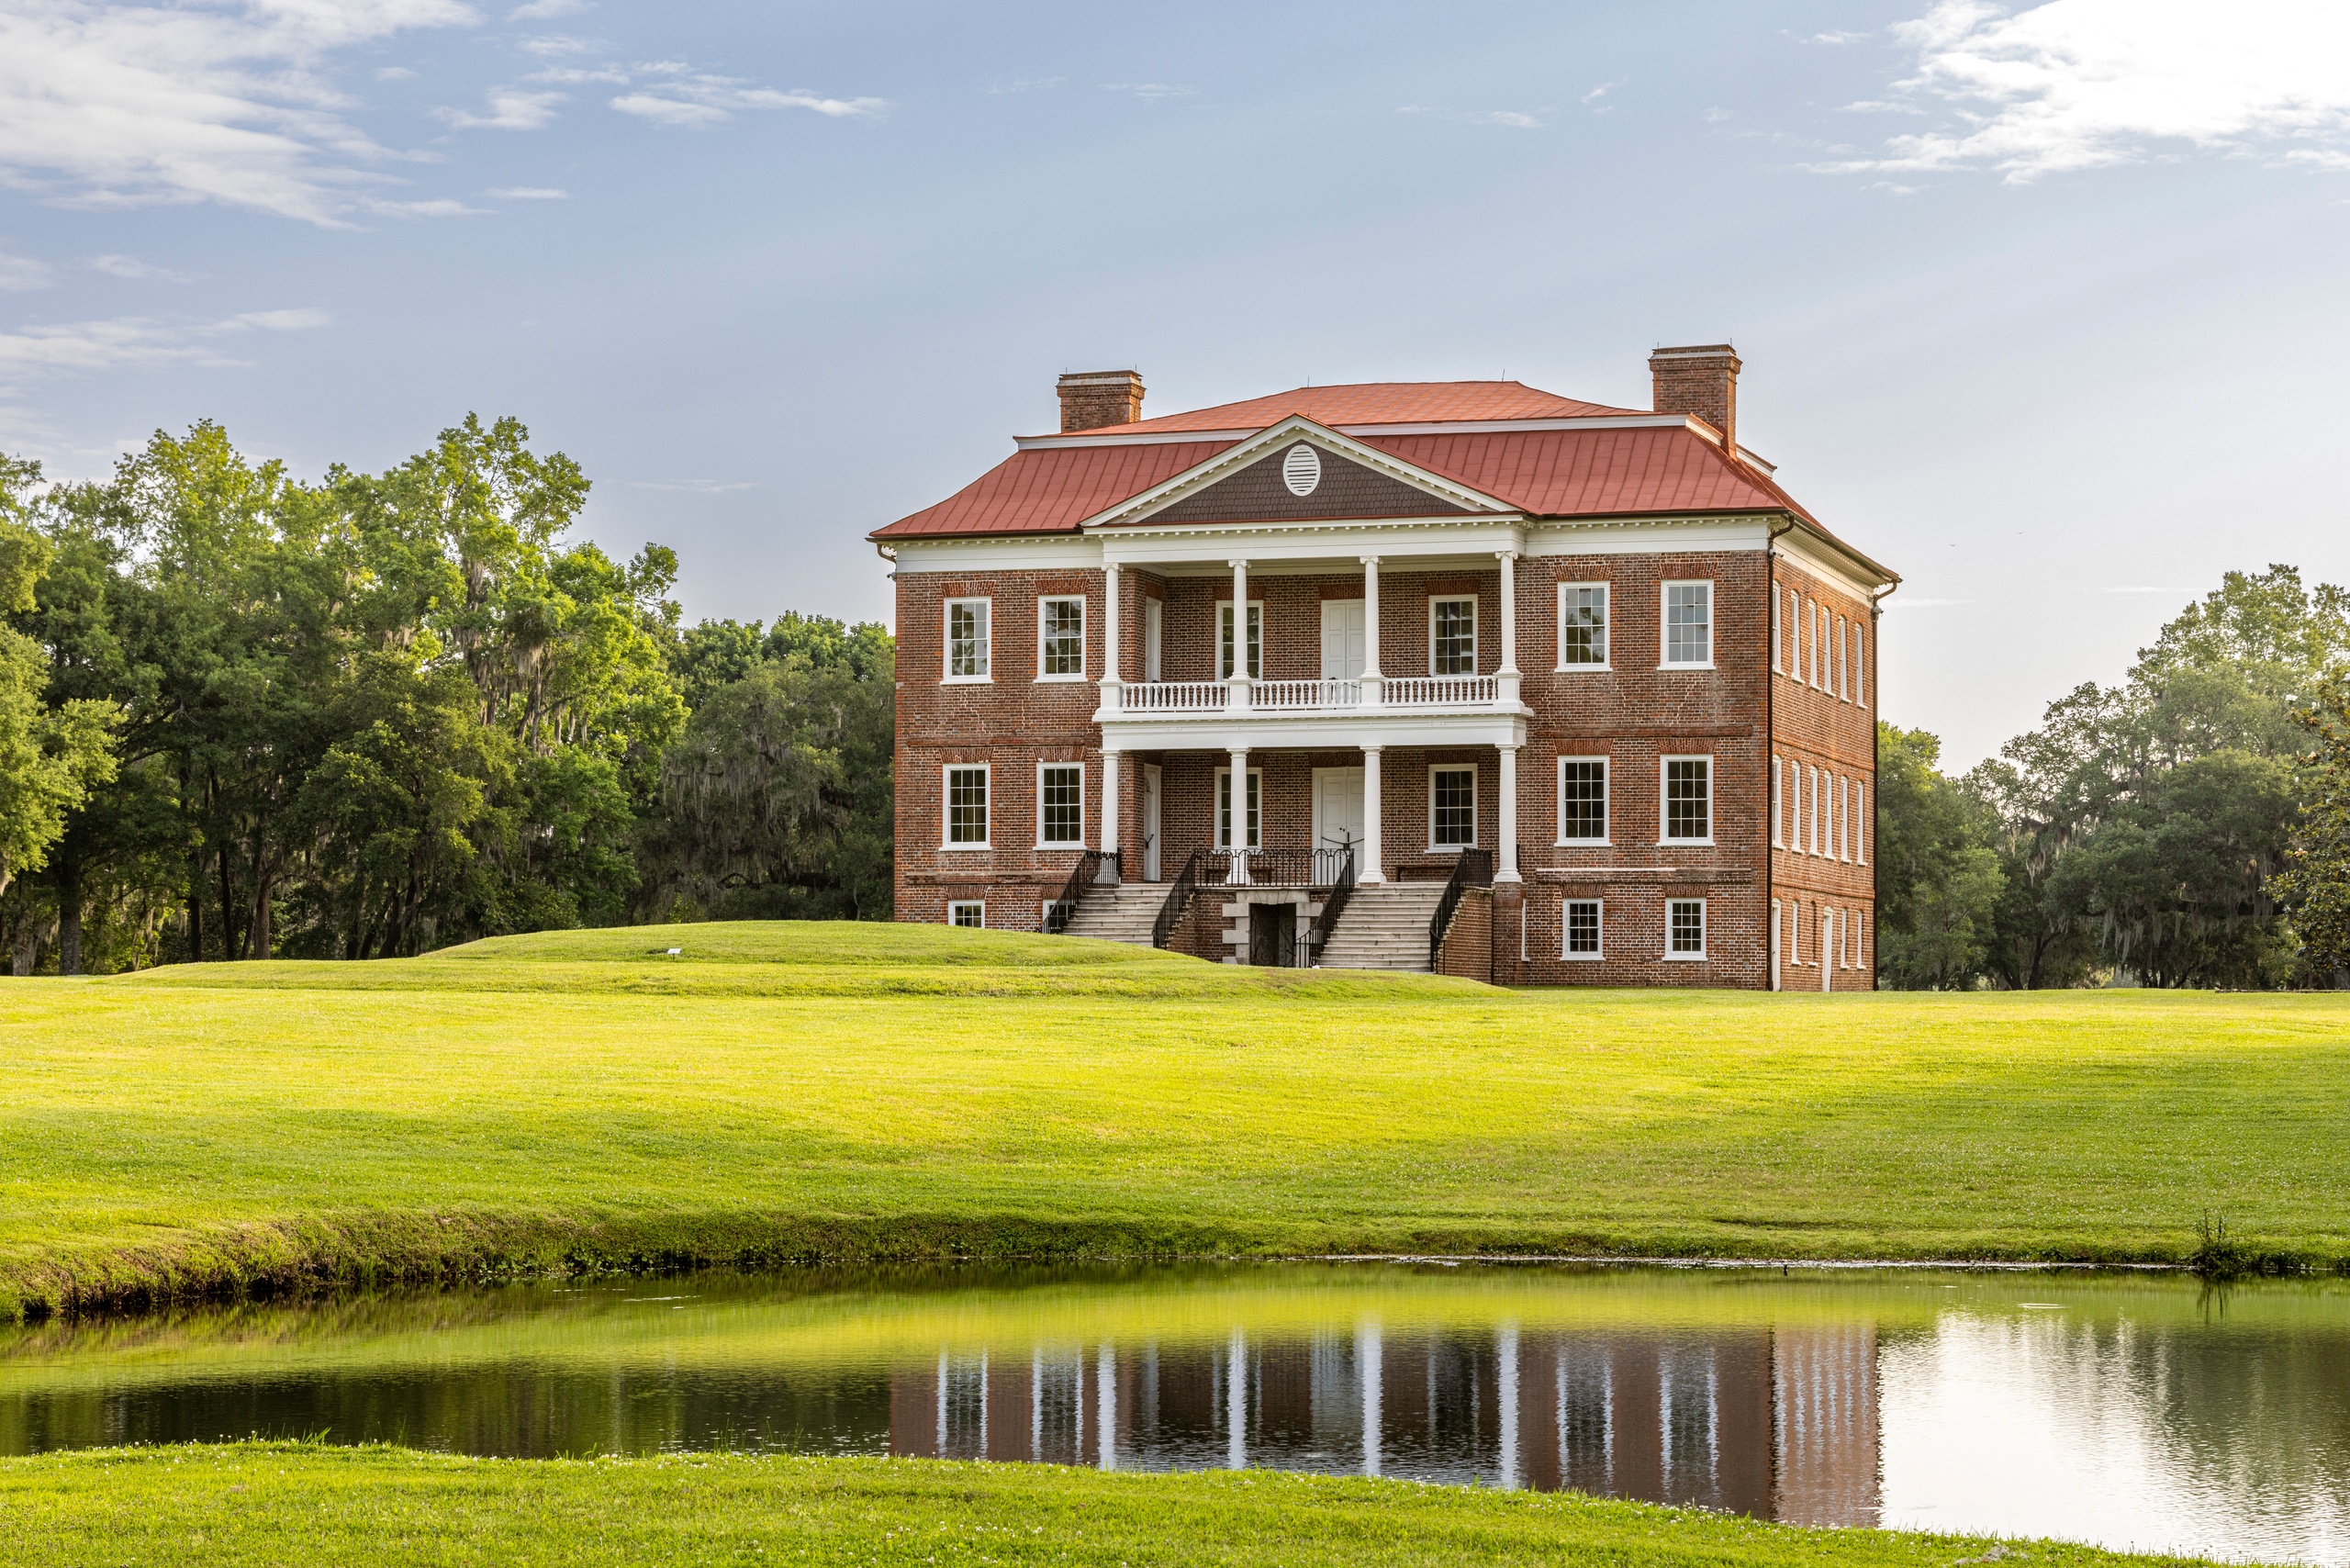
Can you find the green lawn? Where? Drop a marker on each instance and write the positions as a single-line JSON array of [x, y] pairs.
[[784, 1091], [274, 1504]]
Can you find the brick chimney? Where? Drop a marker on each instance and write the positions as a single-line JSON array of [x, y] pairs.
[[1700, 379], [1093, 398]]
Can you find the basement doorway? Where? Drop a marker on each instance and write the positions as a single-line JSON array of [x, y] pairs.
[[1273, 935]]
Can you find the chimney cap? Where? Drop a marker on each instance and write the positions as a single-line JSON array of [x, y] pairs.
[[1696, 351], [1092, 399]]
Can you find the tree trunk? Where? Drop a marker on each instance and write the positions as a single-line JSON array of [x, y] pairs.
[[69, 917], [228, 911], [262, 872]]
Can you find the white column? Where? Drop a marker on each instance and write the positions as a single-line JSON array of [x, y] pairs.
[[1505, 1376], [1236, 1402], [1372, 681], [1239, 799], [1111, 672], [1106, 1406], [1506, 678], [1111, 871], [1506, 851], [1239, 701], [1367, 1356], [1369, 871]]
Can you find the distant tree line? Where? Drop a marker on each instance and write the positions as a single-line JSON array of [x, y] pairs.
[[242, 716], [2187, 827]]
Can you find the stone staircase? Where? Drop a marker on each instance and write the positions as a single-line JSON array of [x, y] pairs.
[[1384, 926], [1122, 912]]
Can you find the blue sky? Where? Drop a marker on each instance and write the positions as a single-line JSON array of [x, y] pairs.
[[2043, 307]]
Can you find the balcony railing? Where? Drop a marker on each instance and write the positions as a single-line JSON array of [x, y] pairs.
[[1274, 868], [1204, 696]]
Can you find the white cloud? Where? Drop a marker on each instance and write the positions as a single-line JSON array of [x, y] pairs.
[[2090, 84], [441, 206], [511, 108], [133, 341], [552, 45], [1715, 114], [572, 76], [1513, 120], [1600, 92], [698, 487], [395, 74], [531, 192], [2145, 590], [130, 105], [1151, 92], [1028, 85], [1836, 37], [132, 267], [545, 10], [693, 99], [19, 274]]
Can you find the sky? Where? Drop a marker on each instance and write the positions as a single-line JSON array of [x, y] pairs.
[[2042, 307]]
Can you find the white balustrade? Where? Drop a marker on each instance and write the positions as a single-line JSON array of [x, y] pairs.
[[1295, 694], [1440, 690], [1173, 697]]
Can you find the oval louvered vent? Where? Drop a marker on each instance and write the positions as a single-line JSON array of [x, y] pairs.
[[1302, 469]]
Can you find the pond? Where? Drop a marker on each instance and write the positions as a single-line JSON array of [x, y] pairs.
[[2129, 1410]]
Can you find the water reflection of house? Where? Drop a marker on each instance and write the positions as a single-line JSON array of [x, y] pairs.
[[1775, 1423]]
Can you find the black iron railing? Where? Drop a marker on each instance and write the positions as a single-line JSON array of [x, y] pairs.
[[1178, 895], [1474, 868], [1058, 913], [1277, 868], [1334, 903]]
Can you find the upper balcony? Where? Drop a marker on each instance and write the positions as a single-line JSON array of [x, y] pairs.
[[1469, 710], [1216, 698]]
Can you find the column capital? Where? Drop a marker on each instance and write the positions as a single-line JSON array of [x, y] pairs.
[[1237, 562], [1368, 560], [1371, 750], [1506, 554]]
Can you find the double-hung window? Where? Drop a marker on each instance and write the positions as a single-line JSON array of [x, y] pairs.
[[1688, 800], [1684, 928], [1582, 800], [1452, 635], [1688, 626], [1860, 667], [967, 807], [1060, 639], [1583, 928], [967, 912], [1452, 807], [1060, 805], [1250, 791], [1256, 640], [967, 638], [1582, 625]]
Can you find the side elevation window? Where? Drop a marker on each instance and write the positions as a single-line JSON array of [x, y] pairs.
[[1582, 625], [1452, 808], [1256, 640], [1452, 636], [1583, 928], [1060, 805], [1684, 928], [1688, 800], [1582, 800], [1154, 639], [967, 638], [967, 807], [1844, 665], [1060, 639], [1860, 667], [968, 911], [1688, 625], [1778, 772]]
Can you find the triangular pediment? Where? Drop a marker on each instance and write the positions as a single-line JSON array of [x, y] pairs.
[[1298, 471]]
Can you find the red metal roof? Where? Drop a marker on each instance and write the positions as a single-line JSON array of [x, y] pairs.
[[1593, 472], [1377, 403], [1051, 491]]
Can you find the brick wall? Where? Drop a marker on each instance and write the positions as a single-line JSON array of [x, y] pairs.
[[1468, 949], [1824, 722]]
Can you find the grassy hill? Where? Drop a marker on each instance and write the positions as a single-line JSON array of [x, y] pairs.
[[788, 1091]]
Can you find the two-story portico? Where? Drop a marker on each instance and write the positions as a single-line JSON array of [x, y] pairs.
[[1464, 673]]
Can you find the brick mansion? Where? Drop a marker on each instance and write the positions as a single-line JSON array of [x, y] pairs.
[[1461, 676]]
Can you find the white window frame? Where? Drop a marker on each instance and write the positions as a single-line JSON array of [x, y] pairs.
[[1860, 823], [1566, 927], [1843, 670], [986, 639], [979, 904], [1607, 630], [1043, 843], [1699, 956], [1778, 772], [947, 804], [1475, 826], [1475, 631], [1078, 600], [1807, 824], [1154, 639], [1845, 819], [1604, 840], [1223, 613], [1664, 804], [1665, 623], [1777, 647], [1860, 666], [1255, 830]]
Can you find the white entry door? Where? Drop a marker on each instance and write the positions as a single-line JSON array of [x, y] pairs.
[[1342, 640], [1338, 807], [1150, 815]]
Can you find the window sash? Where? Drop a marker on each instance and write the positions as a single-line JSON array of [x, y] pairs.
[[1582, 800], [1062, 633], [1688, 799], [1060, 804], [1583, 624], [1452, 808], [1585, 928], [1256, 640], [968, 912], [967, 638], [1688, 623], [966, 805], [1452, 636], [1685, 927]]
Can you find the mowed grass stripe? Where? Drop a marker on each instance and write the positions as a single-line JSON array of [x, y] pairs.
[[199, 1125]]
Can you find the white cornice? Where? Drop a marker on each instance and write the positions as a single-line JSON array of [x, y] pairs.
[[1225, 464]]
